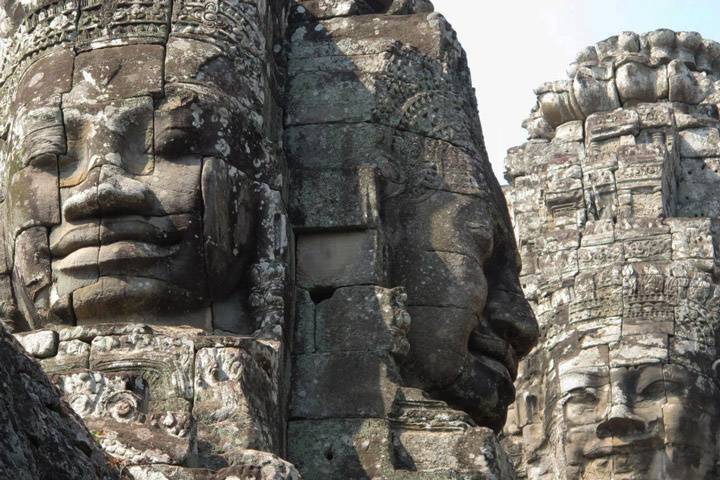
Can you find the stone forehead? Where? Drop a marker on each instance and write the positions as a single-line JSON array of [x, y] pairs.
[[30, 31]]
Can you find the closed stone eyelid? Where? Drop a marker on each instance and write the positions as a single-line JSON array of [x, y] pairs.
[[575, 393], [666, 383]]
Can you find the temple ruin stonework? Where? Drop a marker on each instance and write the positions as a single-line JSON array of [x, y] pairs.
[[615, 202], [261, 240], [254, 239]]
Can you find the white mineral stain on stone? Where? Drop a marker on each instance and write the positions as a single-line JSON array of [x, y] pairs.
[[36, 79], [89, 78], [197, 115]]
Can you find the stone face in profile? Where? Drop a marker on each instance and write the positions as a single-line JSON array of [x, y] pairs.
[[396, 212], [614, 200], [451, 247]]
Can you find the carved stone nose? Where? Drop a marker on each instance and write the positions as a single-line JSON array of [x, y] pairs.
[[620, 422], [121, 194], [108, 191]]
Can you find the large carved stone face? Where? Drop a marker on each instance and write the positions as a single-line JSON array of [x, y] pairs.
[[451, 247], [129, 205]]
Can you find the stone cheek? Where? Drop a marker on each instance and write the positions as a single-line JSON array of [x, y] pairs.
[[615, 220]]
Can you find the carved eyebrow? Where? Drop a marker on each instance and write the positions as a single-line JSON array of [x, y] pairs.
[[579, 379], [649, 377]]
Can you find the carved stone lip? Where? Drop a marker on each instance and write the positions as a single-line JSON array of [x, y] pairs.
[[496, 348], [646, 442], [115, 255], [68, 238]]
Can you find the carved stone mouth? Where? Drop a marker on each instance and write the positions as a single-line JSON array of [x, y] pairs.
[[122, 253], [69, 238], [645, 442], [494, 347]]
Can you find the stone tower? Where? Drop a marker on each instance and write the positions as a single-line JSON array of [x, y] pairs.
[[615, 202]]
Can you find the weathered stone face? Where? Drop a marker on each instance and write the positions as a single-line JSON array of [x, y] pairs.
[[136, 170], [143, 219], [402, 234], [614, 201], [654, 417], [451, 249]]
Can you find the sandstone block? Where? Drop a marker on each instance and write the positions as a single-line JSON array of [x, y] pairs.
[[327, 198], [118, 72], [331, 260], [40, 344], [341, 448], [235, 406], [362, 319], [338, 385], [700, 142]]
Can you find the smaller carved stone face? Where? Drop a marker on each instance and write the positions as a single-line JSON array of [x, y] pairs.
[[649, 418], [453, 251]]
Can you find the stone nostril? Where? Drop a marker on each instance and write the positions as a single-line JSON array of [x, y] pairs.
[[621, 422], [510, 315]]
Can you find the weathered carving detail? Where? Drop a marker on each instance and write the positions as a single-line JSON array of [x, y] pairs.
[[149, 263], [41, 436], [614, 203]]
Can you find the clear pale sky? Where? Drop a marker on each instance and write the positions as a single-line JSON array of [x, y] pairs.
[[515, 45]]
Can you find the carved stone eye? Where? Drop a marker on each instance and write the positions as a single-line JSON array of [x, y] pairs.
[[582, 395], [215, 373]]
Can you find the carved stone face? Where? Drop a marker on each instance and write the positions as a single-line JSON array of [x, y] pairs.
[[453, 251], [136, 201], [655, 418]]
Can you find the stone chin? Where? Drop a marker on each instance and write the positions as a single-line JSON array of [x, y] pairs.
[[484, 389], [136, 300]]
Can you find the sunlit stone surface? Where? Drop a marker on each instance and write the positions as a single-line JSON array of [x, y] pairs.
[[615, 203]]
